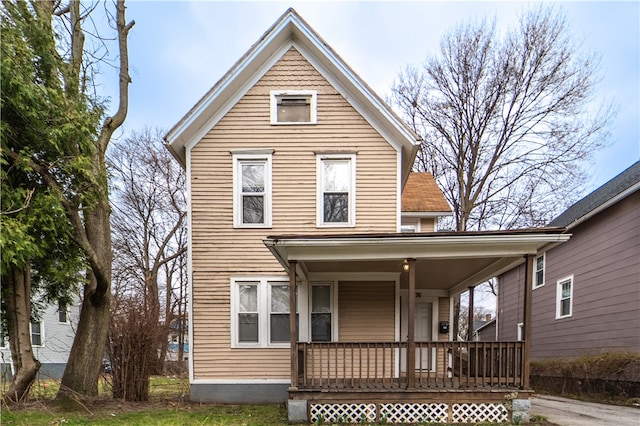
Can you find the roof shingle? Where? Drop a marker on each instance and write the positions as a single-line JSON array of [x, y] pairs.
[[422, 194], [600, 196]]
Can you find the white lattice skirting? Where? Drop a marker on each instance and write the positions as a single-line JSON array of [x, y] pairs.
[[408, 413]]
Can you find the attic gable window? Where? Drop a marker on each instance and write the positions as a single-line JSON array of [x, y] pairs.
[[293, 106]]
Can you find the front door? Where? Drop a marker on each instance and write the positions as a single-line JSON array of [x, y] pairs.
[[423, 332], [425, 318]]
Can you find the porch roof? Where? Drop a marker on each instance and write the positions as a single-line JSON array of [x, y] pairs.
[[445, 261]]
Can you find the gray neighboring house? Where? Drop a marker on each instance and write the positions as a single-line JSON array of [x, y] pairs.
[[51, 338], [586, 292]]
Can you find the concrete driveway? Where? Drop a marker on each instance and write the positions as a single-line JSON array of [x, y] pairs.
[[569, 412]]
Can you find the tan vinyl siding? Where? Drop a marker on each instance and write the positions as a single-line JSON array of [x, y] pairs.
[[427, 225], [220, 252], [366, 311]]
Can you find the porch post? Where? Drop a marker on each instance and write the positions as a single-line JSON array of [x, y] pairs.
[[411, 340], [470, 315], [528, 294], [293, 329]]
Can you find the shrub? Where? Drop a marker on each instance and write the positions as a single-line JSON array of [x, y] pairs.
[[611, 374]]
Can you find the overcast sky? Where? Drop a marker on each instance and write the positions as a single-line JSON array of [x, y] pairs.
[[179, 49]]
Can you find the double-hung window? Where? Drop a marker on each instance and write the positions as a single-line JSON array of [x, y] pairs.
[[62, 311], [36, 333], [336, 190], [538, 280], [260, 312], [564, 298], [252, 188]]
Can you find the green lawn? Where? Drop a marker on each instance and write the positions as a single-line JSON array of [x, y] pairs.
[[168, 405], [182, 414]]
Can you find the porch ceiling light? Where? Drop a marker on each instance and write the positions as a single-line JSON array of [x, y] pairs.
[[405, 265]]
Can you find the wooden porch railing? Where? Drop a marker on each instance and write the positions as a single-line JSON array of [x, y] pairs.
[[381, 365]]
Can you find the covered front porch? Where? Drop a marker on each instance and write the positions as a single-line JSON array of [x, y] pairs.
[[415, 371]]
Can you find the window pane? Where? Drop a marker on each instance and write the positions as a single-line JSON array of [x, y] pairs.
[[321, 298], [321, 327], [565, 307], [539, 263], [566, 290], [248, 298], [253, 178], [253, 209], [337, 175], [280, 328], [36, 334], [62, 312], [248, 327], [280, 298], [336, 207], [294, 110]]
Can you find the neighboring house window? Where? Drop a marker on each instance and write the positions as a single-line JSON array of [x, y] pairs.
[[36, 334], [294, 107], [520, 332], [336, 190], [252, 189], [538, 280], [62, 311], [564, 298], [321, 312], [260, 309]]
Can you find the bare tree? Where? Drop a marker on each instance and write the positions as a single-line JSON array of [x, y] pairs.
[[507, 123], [149, 233]]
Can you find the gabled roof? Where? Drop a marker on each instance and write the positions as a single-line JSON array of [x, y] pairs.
[[626, 183], [291, 30], [421, 194]]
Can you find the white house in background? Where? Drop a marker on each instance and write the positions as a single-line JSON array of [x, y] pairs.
[[51, 338]]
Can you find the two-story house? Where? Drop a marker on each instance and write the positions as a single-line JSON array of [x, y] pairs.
[[300, 183], [586, 293]]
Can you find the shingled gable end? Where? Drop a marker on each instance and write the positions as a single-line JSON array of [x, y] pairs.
[[295, 172]]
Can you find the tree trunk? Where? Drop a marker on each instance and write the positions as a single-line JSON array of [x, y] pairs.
[[85, 359], [16, 289]]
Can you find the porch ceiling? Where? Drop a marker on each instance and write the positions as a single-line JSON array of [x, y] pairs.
[[444, 261]]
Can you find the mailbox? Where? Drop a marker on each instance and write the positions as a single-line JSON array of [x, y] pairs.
[[444, 327]]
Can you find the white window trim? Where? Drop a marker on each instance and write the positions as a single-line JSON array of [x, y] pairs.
[[559, 297], [411, 225], [535, 271], [320, 223], [41, 335], [264, 317], [334, 308], [67, 311], [313, 106], [238, 158]]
